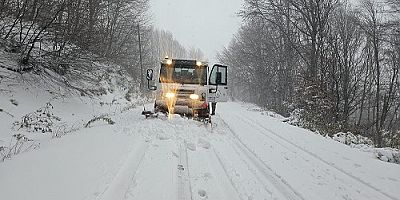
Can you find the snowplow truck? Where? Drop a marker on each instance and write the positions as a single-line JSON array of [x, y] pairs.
[[187, 87]]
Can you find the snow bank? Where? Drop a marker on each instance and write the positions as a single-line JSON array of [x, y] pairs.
[[264, 111], [33, 112], [349, 138], [365, 144], [355, 141], [388, 154]]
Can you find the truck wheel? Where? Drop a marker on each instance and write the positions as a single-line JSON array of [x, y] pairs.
[[156, 108], [204, 113]]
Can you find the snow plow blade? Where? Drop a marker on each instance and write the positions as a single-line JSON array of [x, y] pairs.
[[150, 114]]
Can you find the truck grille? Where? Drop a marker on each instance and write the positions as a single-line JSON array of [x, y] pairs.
[[180, 91], [184, 93]]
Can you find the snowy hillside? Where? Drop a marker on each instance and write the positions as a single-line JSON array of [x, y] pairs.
[[41, 104], [242, 156]]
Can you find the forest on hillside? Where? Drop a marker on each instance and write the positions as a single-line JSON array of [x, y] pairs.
[[332, 63], [67, 36]]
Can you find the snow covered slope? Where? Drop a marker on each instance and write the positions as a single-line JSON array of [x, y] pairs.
[[245, 155]]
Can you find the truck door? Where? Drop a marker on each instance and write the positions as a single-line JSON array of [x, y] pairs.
[[218, 84]]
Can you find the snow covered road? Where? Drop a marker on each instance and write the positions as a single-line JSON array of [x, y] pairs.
[[246, 155]]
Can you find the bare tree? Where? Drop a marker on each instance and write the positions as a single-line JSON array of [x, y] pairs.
[[336, 65]]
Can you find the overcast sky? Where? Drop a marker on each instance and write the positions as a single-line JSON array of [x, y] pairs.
[[205, 24]]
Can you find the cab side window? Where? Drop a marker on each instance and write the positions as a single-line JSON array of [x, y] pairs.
[[213, 76], [223, 71]]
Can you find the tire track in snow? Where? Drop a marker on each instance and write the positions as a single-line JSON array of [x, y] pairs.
[[120, 183], [276, 181], [225, 172], [313, 155], [210, 178], [207, 166], [184, 185]]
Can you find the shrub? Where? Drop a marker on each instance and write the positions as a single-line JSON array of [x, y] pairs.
[[19, 143], [42, 120], [100, 118]]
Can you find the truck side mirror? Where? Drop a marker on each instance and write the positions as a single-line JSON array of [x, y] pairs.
[[149, 75], [219, 78]]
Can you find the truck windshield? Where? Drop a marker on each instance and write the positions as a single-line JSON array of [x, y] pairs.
[[184, 74]]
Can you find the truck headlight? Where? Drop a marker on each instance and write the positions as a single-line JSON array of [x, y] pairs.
[[194, 96], [169, 95]]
